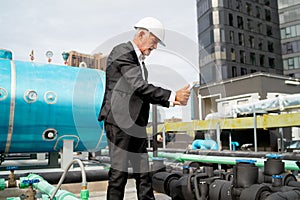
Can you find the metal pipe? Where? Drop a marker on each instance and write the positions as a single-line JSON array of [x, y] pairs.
[[164, 137], [53, 177], [230, 140], [200, 107], [228, 160], [149, 140], [218, 137], [255, 127], [84, 183], [281, 140], [44, 187], [154, 129], [252, 154]]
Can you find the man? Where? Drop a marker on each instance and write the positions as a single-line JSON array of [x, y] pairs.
[[125, 108]]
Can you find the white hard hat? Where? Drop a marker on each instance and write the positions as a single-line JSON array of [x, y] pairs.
[[154, 26]]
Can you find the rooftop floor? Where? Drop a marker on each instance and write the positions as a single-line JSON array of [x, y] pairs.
[[97, 191]]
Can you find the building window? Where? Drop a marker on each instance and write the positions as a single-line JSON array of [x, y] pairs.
[[251, 41], [230, 20], [269, 30], [242, 57], [206, 22], [241, 39], [291, 63], [232, 55], [258, 11], [270, 46], [293, 31], [250, 24], [252, 58], [249, 8], [262, 60], [298, 29], [267, 2], [203, 6], [234, 71], [240, 22], [268, 15], [259, 27], [252, 71], [260, 44], [206, 38], [238, 4], [223, 52], [231, 36], [288, 32], [271, 62], [222, 35], [297, 62], [243, 71], [289, 48]]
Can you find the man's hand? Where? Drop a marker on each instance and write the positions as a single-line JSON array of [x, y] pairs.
[[182, 96]]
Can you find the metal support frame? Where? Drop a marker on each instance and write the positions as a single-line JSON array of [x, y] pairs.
[[154, 129], [67, 153], [254, 128], [53, 159]]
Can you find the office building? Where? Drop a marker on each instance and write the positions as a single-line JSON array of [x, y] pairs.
[[95, 61], [238, 37], [289, 16]]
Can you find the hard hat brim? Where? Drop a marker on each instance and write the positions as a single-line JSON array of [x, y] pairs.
[[162, 43]]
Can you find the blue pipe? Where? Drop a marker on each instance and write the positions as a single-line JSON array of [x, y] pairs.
[[205, 145]]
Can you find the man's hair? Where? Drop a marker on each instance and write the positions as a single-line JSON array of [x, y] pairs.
[[138, 30]]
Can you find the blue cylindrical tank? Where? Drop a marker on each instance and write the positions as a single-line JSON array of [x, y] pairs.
[[43, 104]]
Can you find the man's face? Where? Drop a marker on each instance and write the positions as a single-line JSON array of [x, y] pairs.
[[148, 43]]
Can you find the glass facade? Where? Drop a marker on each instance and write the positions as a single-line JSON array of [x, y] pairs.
[[203, 6], [289, 16], [287, 3], [291, 47], [290, 31], [291, 63]]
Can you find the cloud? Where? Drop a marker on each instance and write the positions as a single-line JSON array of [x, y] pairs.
[[69, 24]]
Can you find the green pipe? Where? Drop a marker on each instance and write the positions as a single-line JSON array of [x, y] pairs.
[[2, 183], [84, 194], [44, 187], [181, 157]]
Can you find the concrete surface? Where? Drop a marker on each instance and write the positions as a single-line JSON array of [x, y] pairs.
[[97, 191]]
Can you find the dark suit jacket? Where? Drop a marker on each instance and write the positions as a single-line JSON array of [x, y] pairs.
[[128, 96]]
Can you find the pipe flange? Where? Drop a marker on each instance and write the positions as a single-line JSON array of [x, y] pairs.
[[3, 94], [30, 96], [50, 97]]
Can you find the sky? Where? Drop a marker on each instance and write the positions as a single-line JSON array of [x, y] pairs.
[[95, 26]]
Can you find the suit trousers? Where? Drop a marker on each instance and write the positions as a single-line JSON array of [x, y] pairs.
[[124, 148]]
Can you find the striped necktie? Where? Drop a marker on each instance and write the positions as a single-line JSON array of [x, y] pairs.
[[145, 71]]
